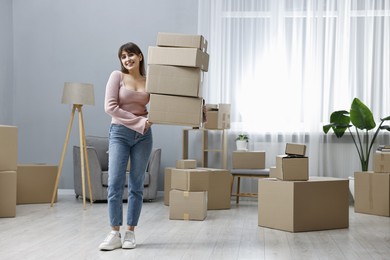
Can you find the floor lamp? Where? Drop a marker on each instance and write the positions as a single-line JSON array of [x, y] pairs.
[[77, 94]]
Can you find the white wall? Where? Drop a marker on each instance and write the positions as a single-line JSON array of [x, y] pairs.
[[72, 40], [6, 62]]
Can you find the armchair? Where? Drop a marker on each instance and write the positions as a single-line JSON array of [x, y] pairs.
[[97, 148]]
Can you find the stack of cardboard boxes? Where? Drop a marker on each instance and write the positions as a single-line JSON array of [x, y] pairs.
[[8, 167], [190, 191], [372, 189], [292, 201], [175, 77]]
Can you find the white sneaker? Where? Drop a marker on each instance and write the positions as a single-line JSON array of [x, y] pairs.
[[112, 241], [129, 240]]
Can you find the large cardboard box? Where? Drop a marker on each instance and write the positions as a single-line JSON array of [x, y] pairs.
[[8, 147], [292, 168], [218, 116], [173, 80], [217, 182], [320, 203], [219, 189], [181, 40], [372, 194], [186, 205], [382, 162], [167, 184], [7, 194], [186, 164], [186, 57], [248, 160], [175, 110], [295, 149], [35, 183]]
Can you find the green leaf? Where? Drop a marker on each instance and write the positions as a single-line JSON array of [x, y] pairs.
[[361, 115], [386, 118]]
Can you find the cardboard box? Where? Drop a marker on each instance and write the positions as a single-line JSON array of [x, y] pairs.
[[217, 182], [181, 40], [185, 205], [186, 164], [175, 110], [167, 184], [190, 179], [173, 80], [292, 168], [273, 172], [219, 189], [8, 147], [295, 149], [35, 183], [218, 118], [7, 194], [248, 160], [372, 193], [187, 57], [320, 203], [382, 162]]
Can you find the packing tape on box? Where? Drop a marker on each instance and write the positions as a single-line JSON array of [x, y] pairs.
[[186, 216]]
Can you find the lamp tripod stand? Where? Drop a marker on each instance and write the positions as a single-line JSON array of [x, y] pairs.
[[83, 155]]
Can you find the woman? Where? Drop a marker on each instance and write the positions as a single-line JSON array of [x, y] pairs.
[[130, 135]]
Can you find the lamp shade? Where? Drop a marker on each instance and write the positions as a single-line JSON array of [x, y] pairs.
[[78, 93]]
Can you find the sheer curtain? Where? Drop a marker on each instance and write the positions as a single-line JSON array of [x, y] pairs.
[[285, 65]]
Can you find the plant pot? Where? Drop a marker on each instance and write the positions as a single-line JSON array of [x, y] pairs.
[[352, 186], [242, 145]]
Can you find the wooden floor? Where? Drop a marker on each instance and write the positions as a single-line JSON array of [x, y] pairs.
[[66, 231]]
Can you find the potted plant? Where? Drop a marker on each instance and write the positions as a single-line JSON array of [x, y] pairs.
[[361, 118], [242, 142]]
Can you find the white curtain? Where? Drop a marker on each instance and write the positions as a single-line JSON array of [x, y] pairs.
[[285, 65]]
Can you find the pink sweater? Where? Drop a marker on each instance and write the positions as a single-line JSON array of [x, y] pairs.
[[126, 107]]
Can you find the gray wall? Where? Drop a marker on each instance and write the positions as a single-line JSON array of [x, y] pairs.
[[6, 62], [72, 40]]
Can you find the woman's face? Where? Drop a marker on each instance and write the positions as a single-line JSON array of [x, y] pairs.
[[130, 61]]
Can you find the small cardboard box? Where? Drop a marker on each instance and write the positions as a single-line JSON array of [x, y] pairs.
[[273, 172], [295, 149], [218, 116], [173, 80], [248, 160], [217, 182], [167, 184], [292, 168], [190, 179], [175, 110], [382, 162], [181, 40], [35, 183], [7, 194], [186, 205], [8, 147], [186, 164], [372, 194], [186, 57], [320, 203]]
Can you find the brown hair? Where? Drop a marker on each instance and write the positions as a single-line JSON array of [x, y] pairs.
[[132, 48]]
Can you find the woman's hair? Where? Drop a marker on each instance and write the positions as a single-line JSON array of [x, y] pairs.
[[132, 48]]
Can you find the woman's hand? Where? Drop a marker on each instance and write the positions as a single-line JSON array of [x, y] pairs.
[[147, 125]]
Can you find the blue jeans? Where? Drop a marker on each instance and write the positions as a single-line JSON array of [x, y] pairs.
[[124, 142]]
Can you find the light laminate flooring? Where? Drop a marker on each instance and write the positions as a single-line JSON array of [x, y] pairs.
[[67, 231]]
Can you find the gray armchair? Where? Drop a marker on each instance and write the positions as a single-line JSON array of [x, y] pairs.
[[97, 148]]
